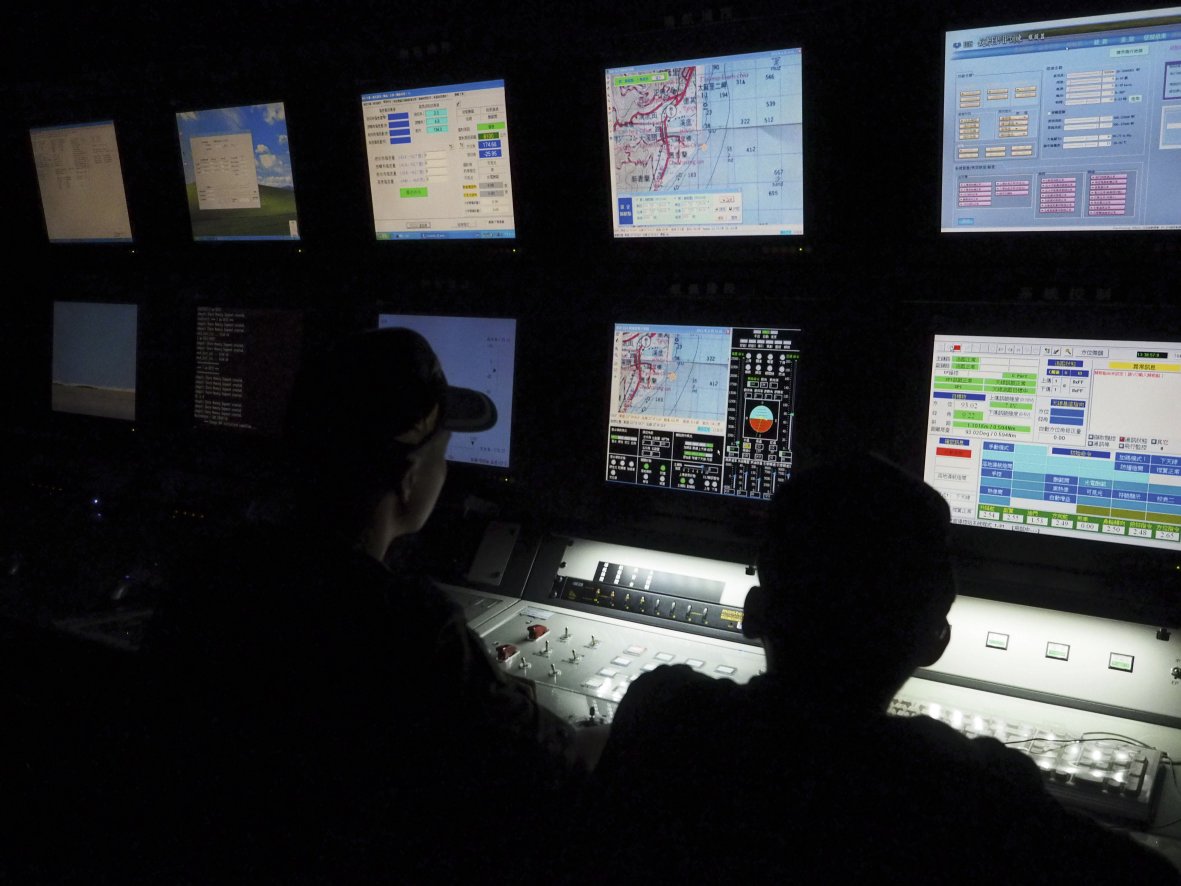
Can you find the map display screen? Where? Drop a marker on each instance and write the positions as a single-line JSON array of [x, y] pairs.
[[1064, 125], [707, 147], [702, 408], [1068, 437]]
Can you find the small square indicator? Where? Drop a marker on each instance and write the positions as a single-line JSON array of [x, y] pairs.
[[996, 641], [1059, 651], [1120, 662]]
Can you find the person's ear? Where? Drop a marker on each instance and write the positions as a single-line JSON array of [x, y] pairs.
[[754, 613], [932, 645], [408, 482]]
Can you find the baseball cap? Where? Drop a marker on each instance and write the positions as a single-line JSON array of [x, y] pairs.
[[371, 388]]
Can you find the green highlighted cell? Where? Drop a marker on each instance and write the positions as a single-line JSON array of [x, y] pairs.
[[992, 426], [965, 362], [412, 192], [434, 112], [437, 128], [1024, 376], [1162, 527], [1004, 404], [635, 79], [968, 414], [485, 127]]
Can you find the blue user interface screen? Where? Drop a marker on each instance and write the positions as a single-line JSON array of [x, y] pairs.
[[477, 353], [1059, 436], [707, 147], [1064, 125]]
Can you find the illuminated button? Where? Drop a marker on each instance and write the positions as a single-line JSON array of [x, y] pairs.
[[665, 656], [725, 670], [505, 651], [634, 651], [695, 662], [608, 672], [621, 660], [594, 683], [650, 666], [535, 631]]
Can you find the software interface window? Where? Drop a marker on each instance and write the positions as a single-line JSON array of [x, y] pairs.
[[81, 183], [702, 409], [439, 162], [245, 366], [707, 147], [237, 170], [1059, 126], [477, 353], [1068, 437]]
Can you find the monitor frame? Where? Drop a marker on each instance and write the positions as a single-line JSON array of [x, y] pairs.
[[1074, 574]]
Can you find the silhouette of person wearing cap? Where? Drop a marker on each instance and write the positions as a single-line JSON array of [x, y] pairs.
[[800, 774], [326, 718]]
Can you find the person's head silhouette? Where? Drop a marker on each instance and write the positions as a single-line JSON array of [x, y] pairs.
[[368, 425], [855, 579]]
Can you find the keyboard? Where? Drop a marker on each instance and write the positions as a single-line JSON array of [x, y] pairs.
[[1092, 772]]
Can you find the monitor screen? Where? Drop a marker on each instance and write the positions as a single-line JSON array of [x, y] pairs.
[[94, 359], [707, 147], [479, 353], [1058, 436], [439, 162], [1064, 125], [237, 168], [81, 183], [702, 408], [246, 360]]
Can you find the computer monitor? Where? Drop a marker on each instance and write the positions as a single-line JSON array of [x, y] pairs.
[[81, 183], [708, 147], [246, 361], [708, 409], [1058, 436], [479, 353], [1064, 125], [94, 359], [439, 162], [237, 170]]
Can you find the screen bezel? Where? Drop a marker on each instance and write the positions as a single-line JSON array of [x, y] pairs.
[[1083, 575]]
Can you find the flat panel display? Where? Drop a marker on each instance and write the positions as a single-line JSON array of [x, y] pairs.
[[94, 359], [478, 353], [237, 170], [1059, 436], [81, 183], [708, 147], [706, 409], [1064, 125], [246, 361], [439, 162]]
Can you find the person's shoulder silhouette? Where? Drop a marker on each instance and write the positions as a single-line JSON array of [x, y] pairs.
[[328, 713], [800, 773]]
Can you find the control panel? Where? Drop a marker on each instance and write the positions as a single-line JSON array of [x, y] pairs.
[[584, 663], [595, 616]]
